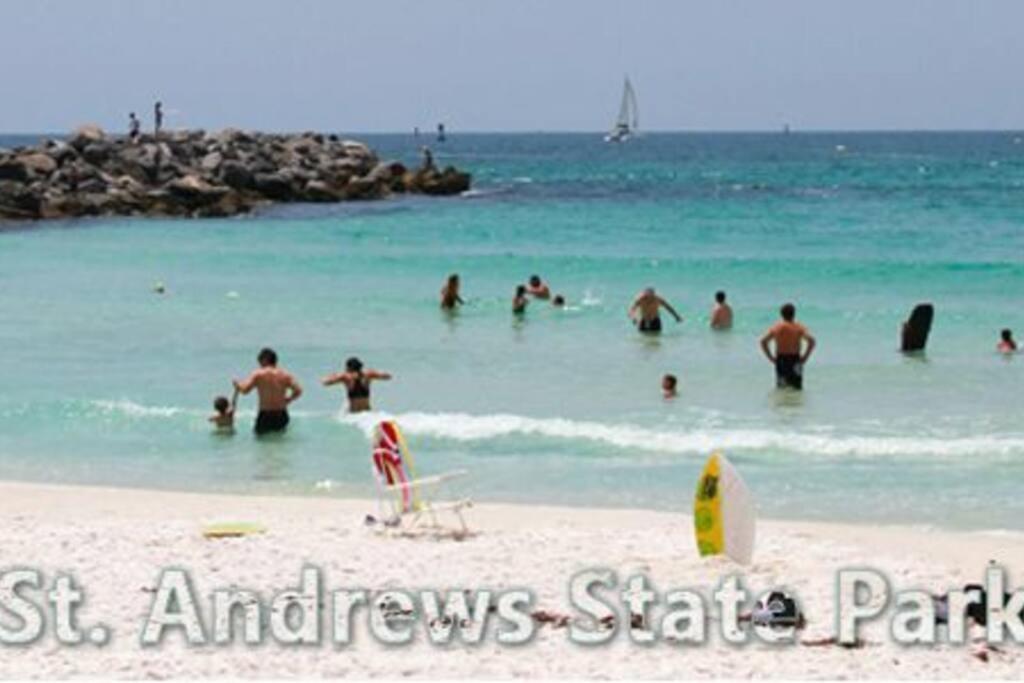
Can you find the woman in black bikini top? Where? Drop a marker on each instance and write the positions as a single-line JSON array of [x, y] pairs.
[[357, 382]]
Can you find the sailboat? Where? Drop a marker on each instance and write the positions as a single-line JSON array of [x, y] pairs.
[[627, 122]]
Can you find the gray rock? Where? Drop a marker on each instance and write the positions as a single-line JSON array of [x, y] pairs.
[[236, 175]]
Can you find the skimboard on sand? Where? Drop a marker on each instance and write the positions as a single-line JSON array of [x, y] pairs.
[[914, 336], [232, 530], [723, 512]]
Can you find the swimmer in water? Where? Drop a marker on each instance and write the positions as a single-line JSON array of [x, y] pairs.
[[646, 311], [537, 288], [519, 301], [669, 386], [721, 315], [223, 417], [357, 382], [558, 301], [450, 293], [1006, 344]]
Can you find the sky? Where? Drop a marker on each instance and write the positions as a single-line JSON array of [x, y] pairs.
[[513, 65]]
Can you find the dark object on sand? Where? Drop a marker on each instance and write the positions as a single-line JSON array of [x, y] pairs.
[[916, 328]]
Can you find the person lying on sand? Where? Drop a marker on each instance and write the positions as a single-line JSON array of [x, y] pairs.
[[450, 293], [646, 311], [357, 381], [789, 357], [224, 416], [537, 288], [277, 390]]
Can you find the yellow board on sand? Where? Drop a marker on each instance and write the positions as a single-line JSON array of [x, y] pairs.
[[232, 530], [723, 512]]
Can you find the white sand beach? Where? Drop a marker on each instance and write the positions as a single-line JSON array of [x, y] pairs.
[[115, 542]]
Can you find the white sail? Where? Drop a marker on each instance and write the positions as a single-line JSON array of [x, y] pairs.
[[629, 116]]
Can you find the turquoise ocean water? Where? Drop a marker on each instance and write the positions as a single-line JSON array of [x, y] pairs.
[[106, 382]]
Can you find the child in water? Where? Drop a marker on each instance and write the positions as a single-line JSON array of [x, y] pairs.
[[224, 416], [669, 386], [519, 301], [1006, 343]]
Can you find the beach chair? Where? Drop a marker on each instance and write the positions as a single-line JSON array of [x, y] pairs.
[[403, 501]]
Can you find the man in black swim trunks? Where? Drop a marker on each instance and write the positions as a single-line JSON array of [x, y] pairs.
[[646, 311], [277, 389], [794, 345]]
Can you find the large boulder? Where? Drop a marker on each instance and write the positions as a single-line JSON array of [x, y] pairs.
[[448, 182], [97, 153], [85, 135], [237, 175], [38, 164], [211, 162], [365, 188], [319, 191], [277, 186], [14, 170], [195, 192]]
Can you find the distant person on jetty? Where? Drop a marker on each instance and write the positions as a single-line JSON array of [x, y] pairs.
[[450, 293], [428, 158], [277, 390], [519, 300], [537, 288], [1007, 344], [357, 382], [646, 311], [134, 127], [223, 417], [158, 118], [721, 315], [789, 356], [670, 386]]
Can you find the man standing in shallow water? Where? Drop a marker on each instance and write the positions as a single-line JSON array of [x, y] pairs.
[[646, 311], [789, 357], [276, 388]]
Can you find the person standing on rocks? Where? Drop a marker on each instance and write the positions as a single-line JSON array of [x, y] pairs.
[[133, 127], [428, 158], [158, 117]]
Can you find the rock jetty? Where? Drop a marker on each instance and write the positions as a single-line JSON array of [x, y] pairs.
[[193, 173]]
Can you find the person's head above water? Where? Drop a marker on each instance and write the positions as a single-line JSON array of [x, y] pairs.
[[535, 281], [649, 291], [559, 300], [788, 312], [353, 364], [669, 383], [221, 404], [1006, 335], [453, 280], [267, 357], [520, 290], [720, 296]]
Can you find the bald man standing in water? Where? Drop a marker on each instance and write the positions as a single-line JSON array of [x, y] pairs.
[[646, 311], [277, 389], [789, 356]]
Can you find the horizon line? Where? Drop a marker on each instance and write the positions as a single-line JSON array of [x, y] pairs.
[[449, 132]]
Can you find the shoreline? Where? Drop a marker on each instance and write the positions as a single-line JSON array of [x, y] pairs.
[[9, 487], [116, 541]]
